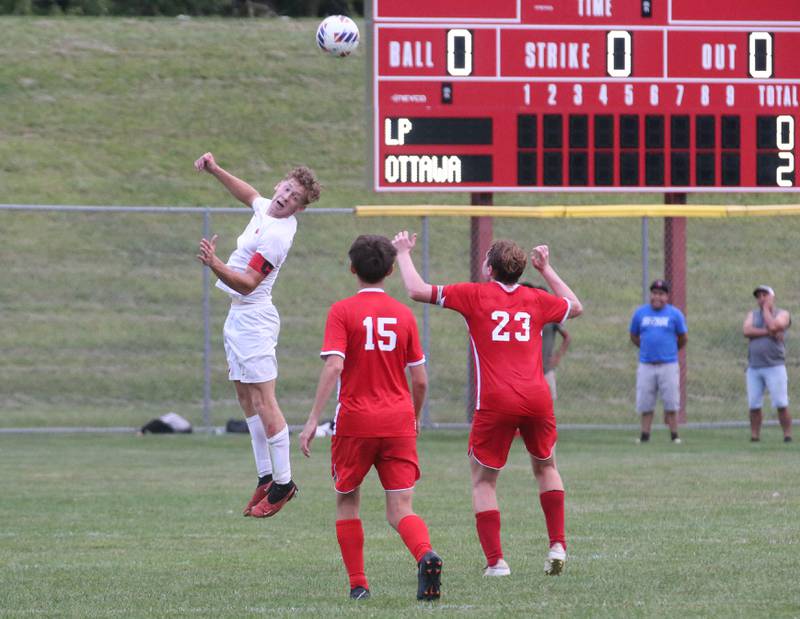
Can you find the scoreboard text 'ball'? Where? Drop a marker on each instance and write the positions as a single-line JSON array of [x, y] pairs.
[[337, 35]]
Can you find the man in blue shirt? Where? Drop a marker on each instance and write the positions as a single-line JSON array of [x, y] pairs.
[[659, 331]]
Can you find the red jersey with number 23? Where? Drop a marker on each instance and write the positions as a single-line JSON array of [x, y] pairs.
[[378, 338], [505, 328]]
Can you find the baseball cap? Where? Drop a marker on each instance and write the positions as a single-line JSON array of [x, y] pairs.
[[660, 284], [763, 288]]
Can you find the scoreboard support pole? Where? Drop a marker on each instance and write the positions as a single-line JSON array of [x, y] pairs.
[[675, 274], [481, 231]]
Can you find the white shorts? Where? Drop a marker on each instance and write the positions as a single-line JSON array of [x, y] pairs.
[[251, 336]]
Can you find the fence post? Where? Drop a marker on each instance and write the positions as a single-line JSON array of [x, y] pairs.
[[206, 329], [645, 259], [481, 232], [675, 274], [426, 315]]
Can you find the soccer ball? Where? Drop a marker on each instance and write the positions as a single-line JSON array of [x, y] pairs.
[[337, 35]]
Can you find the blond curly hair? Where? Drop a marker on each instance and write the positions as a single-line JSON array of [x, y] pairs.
[[308, 180]]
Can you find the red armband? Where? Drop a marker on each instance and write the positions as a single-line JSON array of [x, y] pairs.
[[261, 264], [434, 295]]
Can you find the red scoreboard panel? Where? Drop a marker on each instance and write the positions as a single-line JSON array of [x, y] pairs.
[[586, 95]]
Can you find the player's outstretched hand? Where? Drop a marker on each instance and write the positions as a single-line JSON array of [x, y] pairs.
[[206, 162], [540, 257], [208, 250], [404, 242], [306, 436]]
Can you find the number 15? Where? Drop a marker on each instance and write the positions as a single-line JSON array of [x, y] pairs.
[[387, 338]]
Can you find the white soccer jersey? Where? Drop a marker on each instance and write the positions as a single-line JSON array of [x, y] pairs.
[[265, 235]]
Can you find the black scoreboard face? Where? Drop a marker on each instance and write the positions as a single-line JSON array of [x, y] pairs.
[[586, 95]]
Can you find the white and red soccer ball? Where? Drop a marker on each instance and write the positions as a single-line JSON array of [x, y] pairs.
[[337, 35]]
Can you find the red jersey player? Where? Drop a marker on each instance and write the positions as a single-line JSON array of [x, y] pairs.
[[505, 321], [370, 340]]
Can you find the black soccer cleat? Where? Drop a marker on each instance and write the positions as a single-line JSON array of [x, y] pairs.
[[359, 593], [429, 577]]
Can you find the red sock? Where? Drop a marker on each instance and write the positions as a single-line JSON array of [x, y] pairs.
[[350, 534], [553, 508], [488, 525], [415, 535]]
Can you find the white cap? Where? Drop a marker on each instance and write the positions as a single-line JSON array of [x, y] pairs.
[[763, 288]]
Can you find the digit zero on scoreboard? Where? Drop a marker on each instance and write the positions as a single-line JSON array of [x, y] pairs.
[[586, 95]]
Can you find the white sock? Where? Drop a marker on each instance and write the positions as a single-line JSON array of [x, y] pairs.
[[279, 454], [258, 438]]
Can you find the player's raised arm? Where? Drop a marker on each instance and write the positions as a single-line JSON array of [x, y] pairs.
[[238, 188], [540, 259], [327, 381], [416, 287]]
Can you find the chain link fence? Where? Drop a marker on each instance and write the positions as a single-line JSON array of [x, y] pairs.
[[105, 323]]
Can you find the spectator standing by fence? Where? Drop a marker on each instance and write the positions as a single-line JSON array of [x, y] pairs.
[[659, 330], [550, 360], [765, 328]]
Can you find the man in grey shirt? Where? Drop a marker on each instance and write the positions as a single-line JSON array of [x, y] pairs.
[[551, 360], [765, 328]]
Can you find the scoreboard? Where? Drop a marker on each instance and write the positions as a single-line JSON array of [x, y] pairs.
[[586, 95]]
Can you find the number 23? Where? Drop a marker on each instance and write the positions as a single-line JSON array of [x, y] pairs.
[[502, 319]]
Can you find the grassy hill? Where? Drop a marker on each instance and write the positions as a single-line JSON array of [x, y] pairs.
[[101, 314]]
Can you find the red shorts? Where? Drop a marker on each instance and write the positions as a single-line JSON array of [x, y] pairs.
[[395, 459], [493, 433]]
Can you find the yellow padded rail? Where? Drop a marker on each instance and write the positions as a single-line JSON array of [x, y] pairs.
[[599, 210]]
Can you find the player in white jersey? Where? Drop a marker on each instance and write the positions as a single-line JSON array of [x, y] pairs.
[[251, 329]]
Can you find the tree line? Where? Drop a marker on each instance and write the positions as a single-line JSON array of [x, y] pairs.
[[171, 8]]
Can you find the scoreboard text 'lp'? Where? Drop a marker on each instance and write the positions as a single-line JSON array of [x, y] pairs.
[[586, 95]]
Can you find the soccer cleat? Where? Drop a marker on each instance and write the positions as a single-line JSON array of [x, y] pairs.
[[676, 441], [787, 439], [556, 558], [754, 439], [258, 496], [429, 577], [498, 569], [277, 496], [359, 593]]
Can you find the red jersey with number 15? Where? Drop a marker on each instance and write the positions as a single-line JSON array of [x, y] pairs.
[[505, 328], [378, 338]]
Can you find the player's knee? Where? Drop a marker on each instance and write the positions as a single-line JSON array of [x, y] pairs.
[[244, 401], [542, 467], [268, 408]]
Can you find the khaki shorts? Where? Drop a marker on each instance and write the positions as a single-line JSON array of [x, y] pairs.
[[654, 380], [251, 336]]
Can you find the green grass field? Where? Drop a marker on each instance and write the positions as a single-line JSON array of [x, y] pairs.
[[121, 526], [101, 313]]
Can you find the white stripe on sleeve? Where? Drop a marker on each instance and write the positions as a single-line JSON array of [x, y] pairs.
[[566, 314]]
